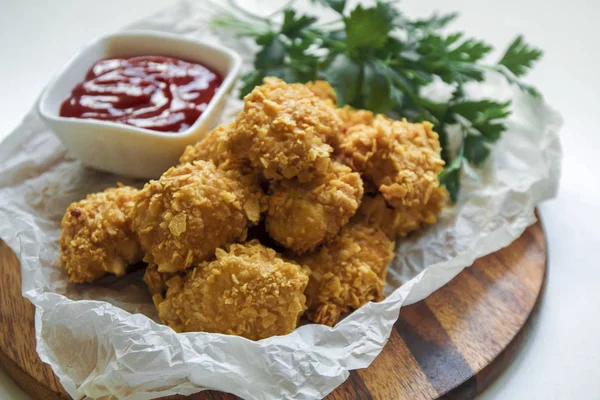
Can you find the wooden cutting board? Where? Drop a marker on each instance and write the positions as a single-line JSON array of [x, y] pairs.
[[451, 345]]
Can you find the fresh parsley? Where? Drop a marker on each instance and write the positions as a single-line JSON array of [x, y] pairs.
[[378, 59]]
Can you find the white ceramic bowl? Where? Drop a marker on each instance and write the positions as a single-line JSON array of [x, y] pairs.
[[124, 149]]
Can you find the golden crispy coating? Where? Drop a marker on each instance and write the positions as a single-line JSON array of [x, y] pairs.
[[375, 212], [402, 159], [351, 116], [285, 131], [324, 91], [303, 215], [97, 238], [215, 147], [157, 283], [249, 290], [346, 273], [190, 211]]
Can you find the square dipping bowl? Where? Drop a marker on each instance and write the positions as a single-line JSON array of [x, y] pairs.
[[124, 149]]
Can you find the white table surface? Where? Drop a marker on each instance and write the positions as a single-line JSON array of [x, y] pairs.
[[560, 358]]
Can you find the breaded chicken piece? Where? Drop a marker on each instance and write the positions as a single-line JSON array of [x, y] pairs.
[[303, 215], [285, 131], [324, 91], [249, 290], [157, 282], [402, 159], [215, 147], [374, 211], [346, 273], [351, 116], [97, 238], [190, 211]]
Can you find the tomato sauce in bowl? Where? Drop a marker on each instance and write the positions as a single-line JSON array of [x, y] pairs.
[[152, 92]]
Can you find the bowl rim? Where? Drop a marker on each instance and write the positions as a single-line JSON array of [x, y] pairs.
[[228, 81]]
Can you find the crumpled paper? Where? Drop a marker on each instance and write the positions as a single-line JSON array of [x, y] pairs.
[[103, 340]]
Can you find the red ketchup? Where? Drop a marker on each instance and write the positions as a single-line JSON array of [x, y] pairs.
[[158, 93]]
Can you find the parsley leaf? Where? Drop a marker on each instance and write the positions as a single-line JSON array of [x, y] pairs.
[[273, 53], [343, 74], [450, 176], [484, 116], [450, 60], [292, 26], [375, 88], [470, 50], [433, 23], [519, 57], [368, 28], [337, 5], [475, 150]]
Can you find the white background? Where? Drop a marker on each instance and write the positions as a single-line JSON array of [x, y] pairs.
[[560, 358]]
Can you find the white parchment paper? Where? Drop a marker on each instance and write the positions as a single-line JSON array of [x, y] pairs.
[[103, 340]]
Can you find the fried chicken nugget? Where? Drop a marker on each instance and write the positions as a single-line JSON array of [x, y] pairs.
[[301, 216], [285, 131], [351, 116], [346, 273], [249, 290], [324, 91], [97, 238], [215, 147], [157, 282], [374, 211], [191, 210], [402, 159]]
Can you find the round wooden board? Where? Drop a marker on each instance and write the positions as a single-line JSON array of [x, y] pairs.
[[452, 344]]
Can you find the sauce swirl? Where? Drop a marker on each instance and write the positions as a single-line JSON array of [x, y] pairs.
[[152, 92]]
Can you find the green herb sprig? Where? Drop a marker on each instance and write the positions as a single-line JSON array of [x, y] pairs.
[[378, 59]]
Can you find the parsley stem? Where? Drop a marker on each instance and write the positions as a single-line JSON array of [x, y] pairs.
[[328, 23], [243, 28], [336, 44]]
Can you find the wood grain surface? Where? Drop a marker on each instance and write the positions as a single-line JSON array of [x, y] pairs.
[[451, 345]]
